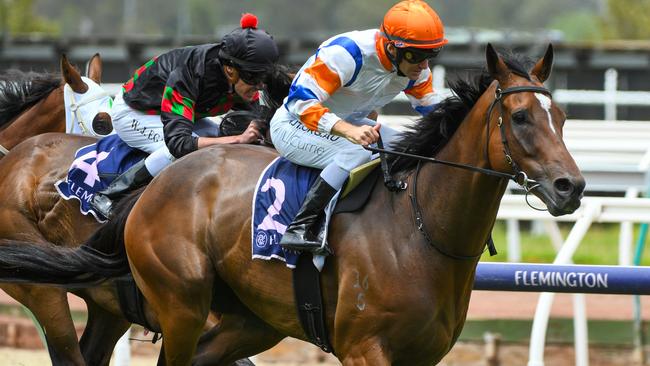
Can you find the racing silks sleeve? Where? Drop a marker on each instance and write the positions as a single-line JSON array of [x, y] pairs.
[[177, 110], [421, 94], [334, 65]]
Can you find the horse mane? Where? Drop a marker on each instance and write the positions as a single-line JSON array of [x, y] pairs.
[[433, 131], [20, 90]]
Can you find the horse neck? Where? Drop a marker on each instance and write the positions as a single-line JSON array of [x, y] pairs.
[[459, 206], [45, 116]]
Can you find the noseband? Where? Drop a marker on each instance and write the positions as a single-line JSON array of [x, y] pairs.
[[518, 177]]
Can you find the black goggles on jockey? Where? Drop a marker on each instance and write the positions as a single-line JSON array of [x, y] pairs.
[[416, 55], [253, 78]]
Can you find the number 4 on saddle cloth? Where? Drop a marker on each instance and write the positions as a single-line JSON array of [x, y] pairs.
[[94, 168], [279, 194]]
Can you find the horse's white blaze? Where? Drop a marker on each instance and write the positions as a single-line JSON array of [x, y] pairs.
[[545, 102]]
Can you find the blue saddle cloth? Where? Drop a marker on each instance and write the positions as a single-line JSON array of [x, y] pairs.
[[279, 194], [94, 168]]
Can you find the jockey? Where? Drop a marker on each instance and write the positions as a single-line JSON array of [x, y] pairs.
[[325, 119], [161, 105]]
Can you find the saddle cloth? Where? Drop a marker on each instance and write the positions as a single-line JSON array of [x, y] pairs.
[[94, 167], [279, 194]]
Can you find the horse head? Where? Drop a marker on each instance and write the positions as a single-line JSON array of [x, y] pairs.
[[528, 133], [87, 103]]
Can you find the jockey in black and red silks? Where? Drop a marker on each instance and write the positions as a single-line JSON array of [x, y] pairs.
[[165, 100]]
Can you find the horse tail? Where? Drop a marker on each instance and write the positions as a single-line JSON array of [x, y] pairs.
[[100, 258]]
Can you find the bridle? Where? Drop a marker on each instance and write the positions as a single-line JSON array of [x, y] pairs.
[[75, 109], [76, 112], [518, 177]]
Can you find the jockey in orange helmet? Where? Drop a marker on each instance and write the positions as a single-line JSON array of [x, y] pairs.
[[414, 31], [324, 121]]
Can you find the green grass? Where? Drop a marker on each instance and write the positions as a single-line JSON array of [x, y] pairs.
[[560, 330], [599, 246]]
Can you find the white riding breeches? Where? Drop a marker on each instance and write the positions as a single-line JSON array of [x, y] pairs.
[[318, 150], [145, 132]]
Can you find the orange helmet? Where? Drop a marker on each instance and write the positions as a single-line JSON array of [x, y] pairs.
[[412, 23]]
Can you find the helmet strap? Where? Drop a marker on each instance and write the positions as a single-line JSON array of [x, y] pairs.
[[395, 60]]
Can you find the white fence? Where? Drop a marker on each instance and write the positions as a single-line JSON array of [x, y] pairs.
[[593, 209], [610, 97]]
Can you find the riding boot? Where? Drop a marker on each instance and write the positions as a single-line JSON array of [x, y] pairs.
[[134, 177], [302, 234]]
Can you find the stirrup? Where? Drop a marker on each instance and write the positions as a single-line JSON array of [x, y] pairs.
[[310, 247], [102, 204]]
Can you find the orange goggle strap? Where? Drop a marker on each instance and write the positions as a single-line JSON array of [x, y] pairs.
[[403, 42]]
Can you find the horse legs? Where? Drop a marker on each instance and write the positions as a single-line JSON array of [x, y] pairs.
[[181, 324], [178, 293], [236, 337], [50, 307], [102, 332]]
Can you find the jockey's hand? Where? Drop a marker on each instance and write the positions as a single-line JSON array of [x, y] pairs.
[[362, 135], [251, 135]]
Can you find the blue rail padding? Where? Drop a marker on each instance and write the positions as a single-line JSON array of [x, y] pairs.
[[529, 277]]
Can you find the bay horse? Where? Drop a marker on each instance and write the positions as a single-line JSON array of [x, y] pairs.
[[395, 293], [31, 210], [33, 103]]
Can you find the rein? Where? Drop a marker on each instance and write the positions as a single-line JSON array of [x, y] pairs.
[[3, 151], [518, 177]]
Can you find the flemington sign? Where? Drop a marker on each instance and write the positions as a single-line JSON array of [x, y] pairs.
[[552, 279], [562, 278]]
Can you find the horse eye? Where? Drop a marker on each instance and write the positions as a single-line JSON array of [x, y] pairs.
[[520, 117]]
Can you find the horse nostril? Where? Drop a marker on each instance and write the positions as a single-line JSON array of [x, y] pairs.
[[563, 186]]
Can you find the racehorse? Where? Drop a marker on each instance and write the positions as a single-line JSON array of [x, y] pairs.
[[33, 103], [31, 210], [397, 288]]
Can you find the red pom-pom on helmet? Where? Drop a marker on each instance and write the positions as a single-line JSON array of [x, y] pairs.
[[248, 20]]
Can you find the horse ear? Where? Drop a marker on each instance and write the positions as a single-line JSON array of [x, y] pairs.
[[94, 68], [497, 68], [71, 76], [542, 69]]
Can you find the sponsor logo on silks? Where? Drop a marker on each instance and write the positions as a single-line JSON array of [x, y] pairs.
[[399, 44]]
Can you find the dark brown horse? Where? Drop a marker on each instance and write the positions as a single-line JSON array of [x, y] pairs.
[[33, 103], [393, 296]]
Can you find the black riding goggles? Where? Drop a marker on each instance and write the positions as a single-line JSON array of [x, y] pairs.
[[253, 78], [417, 55]]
